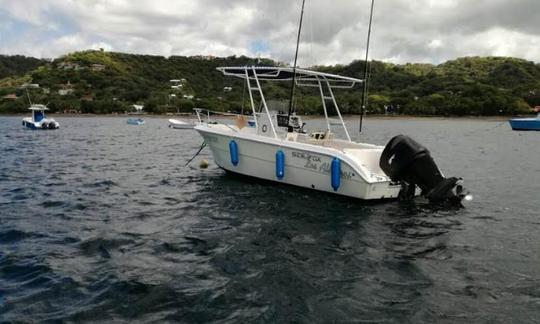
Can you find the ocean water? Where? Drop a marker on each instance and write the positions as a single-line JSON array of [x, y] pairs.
[[101, 221]]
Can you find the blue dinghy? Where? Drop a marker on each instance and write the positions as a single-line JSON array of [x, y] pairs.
[[525, 123], [135, 121]]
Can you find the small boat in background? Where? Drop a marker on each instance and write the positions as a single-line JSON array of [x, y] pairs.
[[525, 123], [180, 124], [135, 121], [38, 119]]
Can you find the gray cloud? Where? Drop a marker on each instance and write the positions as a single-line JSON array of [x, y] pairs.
[[333, 32]]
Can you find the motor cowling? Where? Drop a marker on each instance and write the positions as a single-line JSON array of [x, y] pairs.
[[406, 161]]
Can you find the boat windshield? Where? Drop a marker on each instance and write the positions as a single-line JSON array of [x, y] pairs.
[[38, 115]]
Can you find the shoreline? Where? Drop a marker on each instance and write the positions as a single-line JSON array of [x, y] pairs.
[[306, 117]]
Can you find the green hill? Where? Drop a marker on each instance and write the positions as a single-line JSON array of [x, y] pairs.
[[17, 65], [105, 82]]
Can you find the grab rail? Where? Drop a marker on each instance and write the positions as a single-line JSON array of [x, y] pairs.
[[207, 112]]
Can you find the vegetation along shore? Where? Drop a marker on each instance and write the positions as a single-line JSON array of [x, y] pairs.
[[100, 82]]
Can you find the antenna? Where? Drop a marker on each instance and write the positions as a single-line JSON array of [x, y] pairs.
[[294, 66], [366, 76], [28, 95], [243, 97]]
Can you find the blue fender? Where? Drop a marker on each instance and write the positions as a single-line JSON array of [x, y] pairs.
[[335, 173], [280, 164], [233, 150]]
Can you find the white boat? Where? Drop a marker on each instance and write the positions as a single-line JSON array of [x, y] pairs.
[[180, 124], [280, 148], [38, 119]]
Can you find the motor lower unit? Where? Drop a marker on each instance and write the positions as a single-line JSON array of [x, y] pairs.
[[409, 163]]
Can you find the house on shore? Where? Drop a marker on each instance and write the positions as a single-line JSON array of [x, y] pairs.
[[87, 97], [69, 66], [10, 96], [177, 83], [97, 67], [66, 89]]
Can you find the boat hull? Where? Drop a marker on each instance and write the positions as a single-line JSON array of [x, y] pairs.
[[304, 166], [525, 124], [182, 126], [132, 121], [176, 124], [43, 125]]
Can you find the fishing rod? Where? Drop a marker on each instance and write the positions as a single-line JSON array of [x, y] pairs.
[[366, 76], [289, 128]]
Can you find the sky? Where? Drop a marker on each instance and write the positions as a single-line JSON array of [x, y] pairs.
[[333, 32]]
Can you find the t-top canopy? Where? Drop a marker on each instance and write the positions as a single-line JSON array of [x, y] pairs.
[[303, 77], [38, 107]]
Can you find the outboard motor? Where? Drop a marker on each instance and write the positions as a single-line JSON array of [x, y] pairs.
[[408, 162]]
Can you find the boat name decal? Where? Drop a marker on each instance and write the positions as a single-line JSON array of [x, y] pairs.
[[306, 156], [312, 161], [326, 168]]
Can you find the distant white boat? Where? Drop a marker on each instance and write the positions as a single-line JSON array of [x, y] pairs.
[[38, 119], [180, 124], [135, 121]]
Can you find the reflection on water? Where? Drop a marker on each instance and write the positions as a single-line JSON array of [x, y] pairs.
[[101, 221]]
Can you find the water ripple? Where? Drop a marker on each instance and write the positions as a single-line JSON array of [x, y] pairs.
[[101, 222]]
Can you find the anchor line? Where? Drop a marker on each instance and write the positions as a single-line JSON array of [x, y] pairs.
[[203, 145]]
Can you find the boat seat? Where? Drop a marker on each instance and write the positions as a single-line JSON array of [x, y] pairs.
[[292, 137]]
